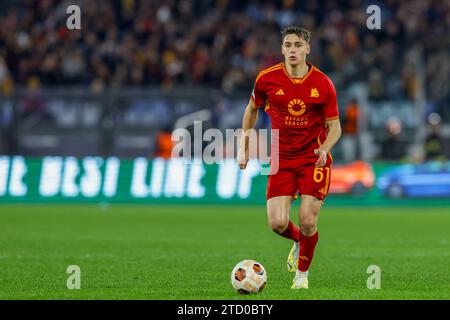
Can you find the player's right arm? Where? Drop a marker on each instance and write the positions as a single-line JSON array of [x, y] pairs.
[[248, 123], [257, 100]]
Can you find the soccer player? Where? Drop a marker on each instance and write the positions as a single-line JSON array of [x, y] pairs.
[[301, 102]]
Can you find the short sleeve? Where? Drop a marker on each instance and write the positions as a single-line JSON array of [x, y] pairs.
[[259, 96], [331, 107]]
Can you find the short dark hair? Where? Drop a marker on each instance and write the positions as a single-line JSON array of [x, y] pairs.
[[300, 32]]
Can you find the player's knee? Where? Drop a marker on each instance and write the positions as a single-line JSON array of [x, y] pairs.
[[308, 225], [278, 226]]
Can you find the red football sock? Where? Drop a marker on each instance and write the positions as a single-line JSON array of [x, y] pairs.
[[307, 246], [292, 232]]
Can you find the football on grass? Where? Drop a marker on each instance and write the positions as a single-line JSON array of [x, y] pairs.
[[248, 276]]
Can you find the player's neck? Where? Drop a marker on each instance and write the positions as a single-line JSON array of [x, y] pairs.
[[297, 71]]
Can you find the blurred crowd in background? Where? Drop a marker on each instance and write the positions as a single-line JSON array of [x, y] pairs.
[[223, 44]]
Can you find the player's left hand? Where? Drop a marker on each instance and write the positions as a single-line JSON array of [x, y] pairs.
[[322, 157]]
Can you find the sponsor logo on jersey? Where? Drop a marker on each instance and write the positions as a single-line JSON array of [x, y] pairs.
[[296, 107]]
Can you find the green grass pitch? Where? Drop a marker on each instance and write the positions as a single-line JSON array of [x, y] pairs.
[[188, 252]]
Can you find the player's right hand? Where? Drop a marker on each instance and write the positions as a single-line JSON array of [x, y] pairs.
[[243, 154], [242, 157]]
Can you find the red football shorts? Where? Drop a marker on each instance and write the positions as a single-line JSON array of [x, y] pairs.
[[303, 178]]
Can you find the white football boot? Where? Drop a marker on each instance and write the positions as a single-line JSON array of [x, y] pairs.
[[300, 281]]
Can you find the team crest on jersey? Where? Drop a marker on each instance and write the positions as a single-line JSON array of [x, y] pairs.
[[314, 93], [296, 107]]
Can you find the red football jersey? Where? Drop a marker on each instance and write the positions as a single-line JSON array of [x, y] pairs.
[[298, 107]]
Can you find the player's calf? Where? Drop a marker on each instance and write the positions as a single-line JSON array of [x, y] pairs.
[[278, 210]]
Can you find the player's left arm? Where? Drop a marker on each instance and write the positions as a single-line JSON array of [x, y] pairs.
[[334, 133], [334, 126]]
